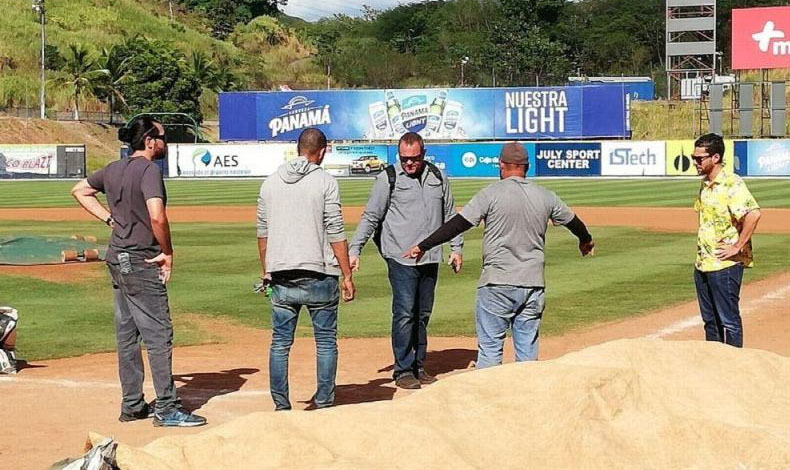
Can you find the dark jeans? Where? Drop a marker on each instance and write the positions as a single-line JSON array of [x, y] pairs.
[[319, 293], [718, 293], [412, 302], [142, 312]]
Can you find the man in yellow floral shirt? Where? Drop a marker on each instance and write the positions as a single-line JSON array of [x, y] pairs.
[[728, 216]]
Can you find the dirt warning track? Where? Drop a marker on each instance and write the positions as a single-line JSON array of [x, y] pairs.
[[670, 219]]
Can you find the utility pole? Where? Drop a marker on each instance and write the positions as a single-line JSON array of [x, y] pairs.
[[464, 60], [38, 7]]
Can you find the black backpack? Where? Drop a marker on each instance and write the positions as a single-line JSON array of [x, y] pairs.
[[391, 179]]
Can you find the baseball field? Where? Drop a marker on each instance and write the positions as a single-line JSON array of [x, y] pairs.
[[638, 284]]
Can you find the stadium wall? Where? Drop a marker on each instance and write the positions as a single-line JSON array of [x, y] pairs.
[[619, 158]]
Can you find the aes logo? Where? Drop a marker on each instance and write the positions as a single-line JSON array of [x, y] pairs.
[[223, 161]]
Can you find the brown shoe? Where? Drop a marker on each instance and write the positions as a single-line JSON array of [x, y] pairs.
[[407, 381], [425, 378]]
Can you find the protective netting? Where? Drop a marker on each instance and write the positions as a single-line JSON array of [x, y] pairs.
[[31, 250]]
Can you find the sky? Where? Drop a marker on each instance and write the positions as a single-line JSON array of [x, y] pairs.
[[312, 10]]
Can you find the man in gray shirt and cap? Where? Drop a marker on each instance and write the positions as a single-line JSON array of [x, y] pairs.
[[409, 201], [510, 292]]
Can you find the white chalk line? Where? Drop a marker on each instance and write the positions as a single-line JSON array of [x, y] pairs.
[[746, 309], [214, 394]]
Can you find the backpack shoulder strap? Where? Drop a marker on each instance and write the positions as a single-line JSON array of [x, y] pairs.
[[438, 174], [435, 170], [391, 179]]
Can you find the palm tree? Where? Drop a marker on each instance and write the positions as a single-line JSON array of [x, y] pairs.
[[203, 68], [117, 74], [82, 73], [224, 79]]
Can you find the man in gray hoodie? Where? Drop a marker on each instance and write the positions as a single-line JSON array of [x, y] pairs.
[[303, 250]]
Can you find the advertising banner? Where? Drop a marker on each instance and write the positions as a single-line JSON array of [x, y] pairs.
[[768, 158], [355, 160], [741, 156], [222, 160], [568, 159], [30, 160], [630, 158], [436, 114], [679, 157], [761, 38], [479, 160]]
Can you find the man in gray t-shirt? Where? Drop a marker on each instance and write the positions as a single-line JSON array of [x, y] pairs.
[[140, 260], [511, 290]]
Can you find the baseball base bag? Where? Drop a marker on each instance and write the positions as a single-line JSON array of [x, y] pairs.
[[8, 321]]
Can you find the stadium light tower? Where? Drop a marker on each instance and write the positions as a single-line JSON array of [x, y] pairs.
[[38, 7]]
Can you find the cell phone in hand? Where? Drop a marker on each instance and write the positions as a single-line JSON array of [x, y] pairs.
[[454, 266]]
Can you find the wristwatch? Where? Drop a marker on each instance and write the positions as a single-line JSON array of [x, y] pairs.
[[109, 220]]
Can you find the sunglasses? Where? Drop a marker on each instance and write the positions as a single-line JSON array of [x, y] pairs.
[[162, 137], [700, 158], [410, 158]]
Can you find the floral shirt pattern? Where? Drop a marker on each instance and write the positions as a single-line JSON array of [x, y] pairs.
[[721, 205]]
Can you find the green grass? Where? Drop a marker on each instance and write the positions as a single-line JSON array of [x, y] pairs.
[[635, 271], [575, 192]]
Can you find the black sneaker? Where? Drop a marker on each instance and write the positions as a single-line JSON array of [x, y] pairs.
[[178, 418], [408, 382], [425, 378], [145, 413]]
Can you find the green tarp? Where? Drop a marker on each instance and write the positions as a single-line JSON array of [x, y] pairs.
[[28, 250]]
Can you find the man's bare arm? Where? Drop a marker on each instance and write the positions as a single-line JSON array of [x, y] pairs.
[[86, 196], [161, 228], [748, 226], [262, 242]]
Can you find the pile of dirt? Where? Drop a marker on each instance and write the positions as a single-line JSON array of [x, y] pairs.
[[623, 404]]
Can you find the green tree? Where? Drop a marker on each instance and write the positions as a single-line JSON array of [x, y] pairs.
[[613, 37], [224, 15], [81, 73], [224, 78], [202, 68], [526, 43], [159, 79], [53, 58], [108, 87]]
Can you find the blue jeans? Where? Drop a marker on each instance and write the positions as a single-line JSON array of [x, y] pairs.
[[320, 295], [500, 307], [718, 293], [412, 302]]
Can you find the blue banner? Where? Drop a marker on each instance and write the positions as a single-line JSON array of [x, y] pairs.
[[568, 159], [768, 158], [740, 155], [467, 160], [436, 114]]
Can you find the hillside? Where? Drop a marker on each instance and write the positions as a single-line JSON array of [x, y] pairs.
[[101, 140], [259, 61]]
